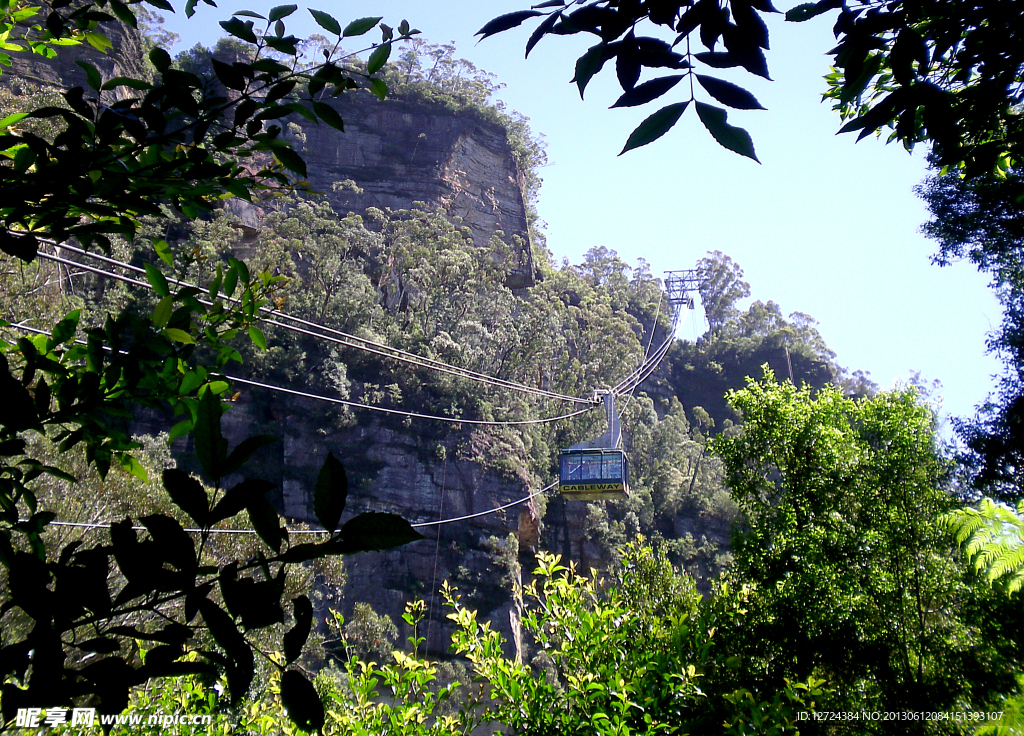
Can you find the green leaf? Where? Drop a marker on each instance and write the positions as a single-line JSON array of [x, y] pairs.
[[163, 251], [281, 11], [230, 281], [291, 160], [162, 312], [505, 22], [92, 74], [157, 280], [12, 119], [249, 14], [179, 430], [299, 698], [644, 93], [376, 531], [378, 58], [173, 333], [132, 466], [379, 87], [99, 42], [728, 136], [361, 26], [257, 337], [655, 126], [329, 115], [729, 94], [64, 330], [124, 13], [187, 494], [327, 22], [330, 493]]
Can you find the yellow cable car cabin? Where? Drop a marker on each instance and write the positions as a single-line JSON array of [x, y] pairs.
[[597, 474]]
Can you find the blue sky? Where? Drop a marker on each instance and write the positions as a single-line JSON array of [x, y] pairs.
[[823, 226]]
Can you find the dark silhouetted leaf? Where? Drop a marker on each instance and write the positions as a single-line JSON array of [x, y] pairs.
[[540, 31], [729, 94], [325, 21], [644, 93], [238, 498], [187, 494], [239, 29], [228, 75], [361, 26], [281, 11], [376, 531], [244, 450], [809, 10], [174, 543], [266, 523], [504, 22], [295, 638], [299, 698], [227, 636], [728, 136], [588, 65], [211, 447], [330, 493], [655, 126]]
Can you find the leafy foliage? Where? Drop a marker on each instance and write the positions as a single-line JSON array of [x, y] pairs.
[[120, 152], [944, 72], [992, 537], [982, 220], [738, 27], [128, 144], [842, 543]]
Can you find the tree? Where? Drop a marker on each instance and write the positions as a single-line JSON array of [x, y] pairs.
[[853, 576], [982, 220], [122, 150], [940, 71], [721, 287]]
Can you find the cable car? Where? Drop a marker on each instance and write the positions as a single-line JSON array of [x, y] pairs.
[[593, 475], [596, 470]]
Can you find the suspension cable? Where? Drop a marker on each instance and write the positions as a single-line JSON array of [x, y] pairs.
[[358, 405], [332, 335], [420, 525]]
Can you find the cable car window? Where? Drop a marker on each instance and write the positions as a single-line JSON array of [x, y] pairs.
[[612, 467]]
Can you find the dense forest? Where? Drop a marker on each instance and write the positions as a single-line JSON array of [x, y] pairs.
[[797, 542]]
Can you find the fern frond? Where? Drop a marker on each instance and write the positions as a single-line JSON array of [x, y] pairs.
[[992, 538]]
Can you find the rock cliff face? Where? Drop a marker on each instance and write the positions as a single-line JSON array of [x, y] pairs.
[[402, 153], [399, 152], [401, 471], [125, 60]]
